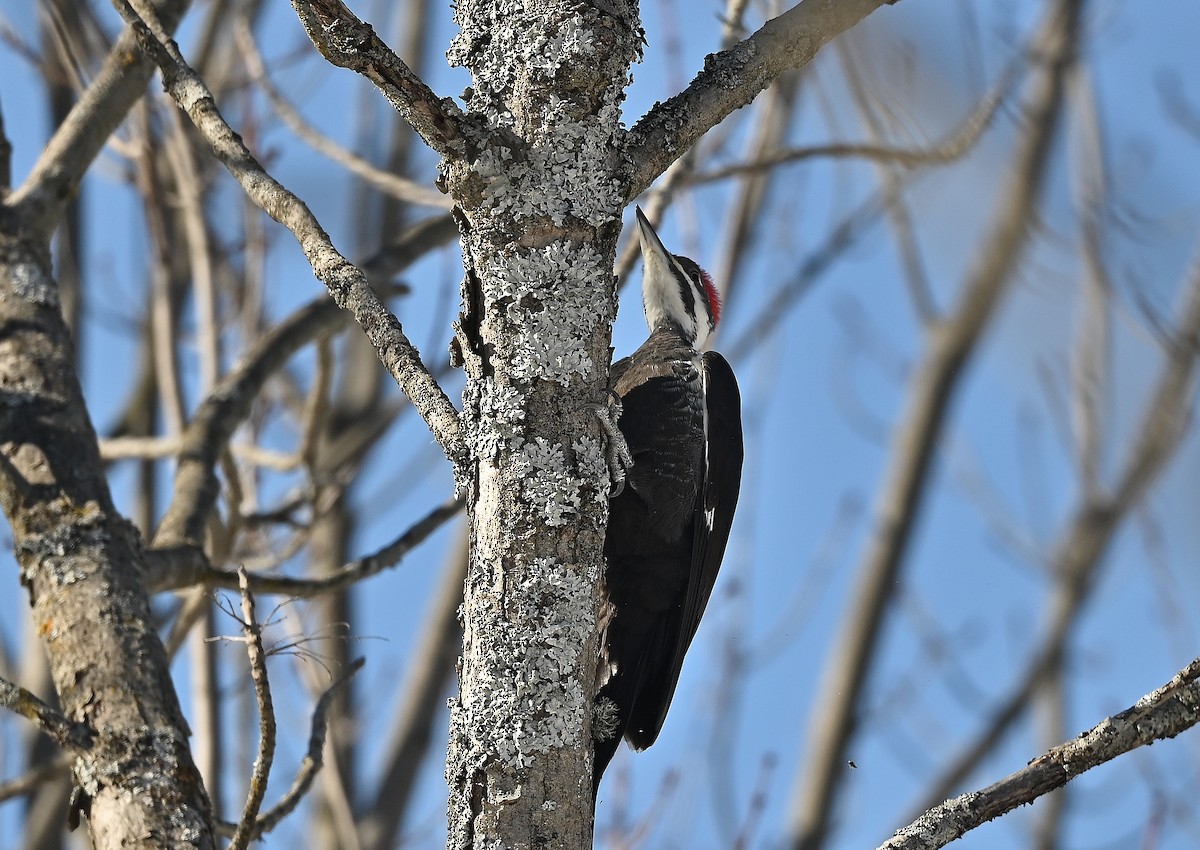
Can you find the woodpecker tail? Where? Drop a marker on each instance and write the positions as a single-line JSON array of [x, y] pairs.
[[604, 752]]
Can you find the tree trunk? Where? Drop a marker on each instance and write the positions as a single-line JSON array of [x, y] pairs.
[[539, 219], [81, 562]]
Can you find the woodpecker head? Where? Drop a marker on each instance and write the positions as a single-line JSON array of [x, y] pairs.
[[675, 290]]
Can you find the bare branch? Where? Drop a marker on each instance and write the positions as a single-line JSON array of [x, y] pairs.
[[316, 407], [184, 170], [1090, 353], [731, 22], [35, 778], [266, 719], [395, 256], [908, 250], [952, 341], [395, 185], [351, 573], [309, 765], [1169, 410], [57, 173], [840, 239], [732, 78], [163, 309], [72, 736], [748, 207], [1181, 111], [953, 147], [347, 42], [1164, 713], [345, 282], [655, 207]]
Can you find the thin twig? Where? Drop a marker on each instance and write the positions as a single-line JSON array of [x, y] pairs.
[[309, 765], [316, 406], [423, 236], [841, 238], [163, 312], [1089, 360], [953, 147], [35, 778], [731, 79], [908, 250], [351, 573], [655, 207], [747, 208], [395, 185], [266, 719], [732, 26], [178, 148], [758, 803], [338, 816]]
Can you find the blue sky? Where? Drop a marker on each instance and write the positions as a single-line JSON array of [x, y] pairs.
[[821, 394]]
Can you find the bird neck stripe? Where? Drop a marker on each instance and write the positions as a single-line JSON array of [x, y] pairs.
[[667, 297]]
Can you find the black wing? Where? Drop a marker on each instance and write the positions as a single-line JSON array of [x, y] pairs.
[[722, 485], [713, 518]]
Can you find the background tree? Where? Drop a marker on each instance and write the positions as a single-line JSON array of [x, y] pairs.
[[956, 256]]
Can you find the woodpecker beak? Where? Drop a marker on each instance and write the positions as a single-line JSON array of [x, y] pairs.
[[658, 277], [654, 253], [665, 286]]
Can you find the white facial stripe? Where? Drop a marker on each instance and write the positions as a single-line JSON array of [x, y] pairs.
[[661, 298], [705, 329]]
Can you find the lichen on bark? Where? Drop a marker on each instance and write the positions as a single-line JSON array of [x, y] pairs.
[[539, 217]]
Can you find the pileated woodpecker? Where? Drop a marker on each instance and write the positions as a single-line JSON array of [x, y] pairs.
[[680, 416]]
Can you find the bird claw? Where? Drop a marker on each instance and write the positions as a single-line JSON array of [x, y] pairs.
[[616, 450]]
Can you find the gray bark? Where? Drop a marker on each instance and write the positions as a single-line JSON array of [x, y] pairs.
[[539, 202], [81, 563], [80, 560], [539, 218]]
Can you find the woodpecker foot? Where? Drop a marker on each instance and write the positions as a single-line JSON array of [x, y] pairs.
[[616, 450], [606, 719]]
